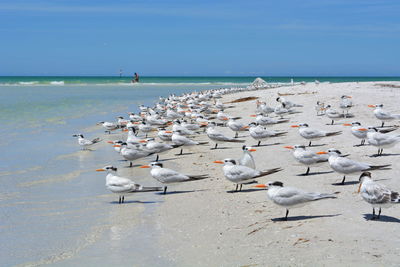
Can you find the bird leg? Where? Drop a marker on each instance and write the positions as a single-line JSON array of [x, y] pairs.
[[165, 190], [383, 123], [119, 200], [216, 144], [332, 122], [123, 199], [308, 171], [309, 144], [157, 157], [344, 178], [130, 164], [181, 153], [259, 143], [236, 135], [373, 214], [287, 213], [240, 188], [379, 213], [237, 186]]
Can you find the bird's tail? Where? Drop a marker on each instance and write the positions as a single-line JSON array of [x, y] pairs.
[[280, 134], [283, 120], [334, 133], [197, 177], [378, 167], [203, 143], [148, 189], [268, 172], [318, 196], [96, 140]]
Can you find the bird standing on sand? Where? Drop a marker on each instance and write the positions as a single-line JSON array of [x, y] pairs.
[[313, 134], [347, 166], [180, 140], [168, 176], [379, 196], [290, 197], [381, 140], [383, 115], [247, 158], [218, 137], [346, 104], [240, 175], [123, 186], [306, 157], [259, 133]]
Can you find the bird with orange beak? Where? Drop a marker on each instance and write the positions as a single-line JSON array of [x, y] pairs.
[[383, 115], [307, 157], [313, 134]]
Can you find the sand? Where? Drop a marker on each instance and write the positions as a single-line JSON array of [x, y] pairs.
[[202, 223]]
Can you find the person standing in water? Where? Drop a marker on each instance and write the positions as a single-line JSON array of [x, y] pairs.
[[135, 78]]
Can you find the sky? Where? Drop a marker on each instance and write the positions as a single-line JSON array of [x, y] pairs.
[[200, 38]]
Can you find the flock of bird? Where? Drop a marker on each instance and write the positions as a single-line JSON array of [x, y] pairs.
[[178, 120]]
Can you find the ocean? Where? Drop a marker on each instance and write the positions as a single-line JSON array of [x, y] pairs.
[[54, 207]]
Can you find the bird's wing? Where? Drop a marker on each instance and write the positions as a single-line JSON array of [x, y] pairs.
[[375, 193]]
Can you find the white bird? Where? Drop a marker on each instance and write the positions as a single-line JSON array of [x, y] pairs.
[[168, 176], [122, 122], [123, 186], [247, 158], [361, 132], [183, 130], [218, 137], [263, 108], [347, 166], [381, 140], [237, 126], [225, 117], [164, 134], [346, 104], [240, 175], [259, 133], [133, 152], [332, 113], [313, 134], [109, 126], [290, 197], [262, 120], [158, 148], [180, 140], [85, 143], [134, 117], [320, 108], [288, 104], [379, 196], [307, 157], [383, 115], [132, 138]]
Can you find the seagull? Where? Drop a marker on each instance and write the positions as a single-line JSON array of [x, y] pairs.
[[146, 128], [346, 104], [180, 140], [218, 137], [307, 157], [168, 176], [290, 197], [109, 126], [347, 166], [260, 133], [183, 130], [381, 140], [84, 143], [288, 104], [237, 126], [262, 120], [164, 134], [263, 108], [313, 134], [332, 113], [158, 148], [247, 158], [240, 175], [361, 132], [383, 115], [133, 152], [123, 186], [379, 196], [225, 117]]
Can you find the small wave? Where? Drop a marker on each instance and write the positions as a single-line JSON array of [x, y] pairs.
[[28, 83], [57, 83]]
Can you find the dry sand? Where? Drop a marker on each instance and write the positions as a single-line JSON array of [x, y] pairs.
[[203, 224]]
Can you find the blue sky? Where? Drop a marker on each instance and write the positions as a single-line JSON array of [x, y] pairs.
[[286, 37]]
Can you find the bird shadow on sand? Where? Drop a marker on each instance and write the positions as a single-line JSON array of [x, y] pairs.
[[184, 154], [222, 147], [274, 144], [382, 218], [346, 183], [314, 173], [162, 160], [133, 166], [384, 155], [135, 201], [301, 218], [247, 190], [180, 192]]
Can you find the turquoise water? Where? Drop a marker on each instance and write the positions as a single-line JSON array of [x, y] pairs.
[[148, 80]]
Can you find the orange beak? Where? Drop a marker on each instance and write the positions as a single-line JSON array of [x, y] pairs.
[[136, 122], [346, 124], [170, 123], [110, 142], [322, 152], [100, 170], [125, 130], [204, 123], [261, 186], [145, 166], [363, 129], [219, 161], [116, 145], [253, 116], [246, 127], [168, 131], [142, 141], [294, 126], [372, 106], [252, 149], [225, 119], [289, 147]]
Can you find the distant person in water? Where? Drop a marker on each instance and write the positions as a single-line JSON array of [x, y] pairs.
[[135, 78]]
